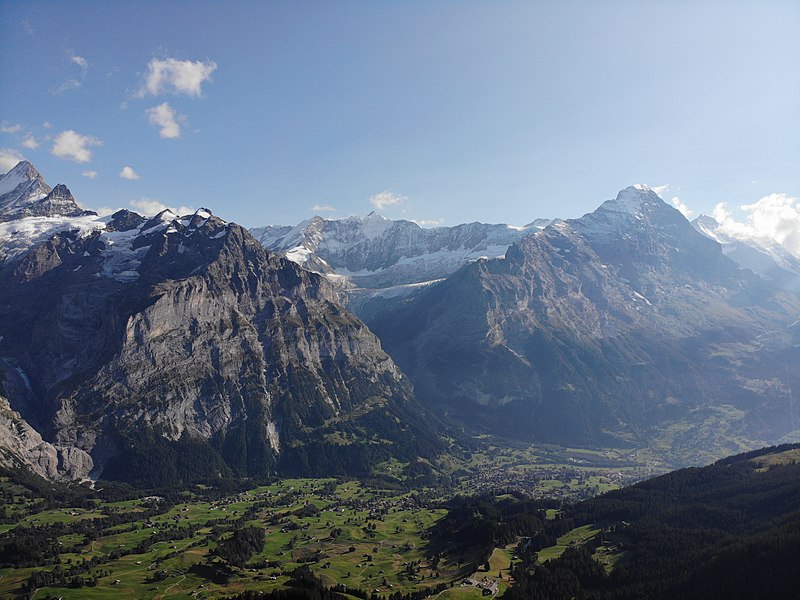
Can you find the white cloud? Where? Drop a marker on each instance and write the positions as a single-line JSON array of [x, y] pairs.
[[660, 189], [384, 199], [69, 84], [30, 142], [89, 174], [80, 61], [6, 127], [149, 207], [772, 218], [428, 222], [681, 206], [105, 211], [173, 76], [128, 173], [165, 117], [9, 159], [323, 208], [71, 145]]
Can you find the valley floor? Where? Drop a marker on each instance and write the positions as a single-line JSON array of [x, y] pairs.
[[370, 538]]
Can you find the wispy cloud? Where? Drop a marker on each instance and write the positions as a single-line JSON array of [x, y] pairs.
[[317, 208], [428, 222], [9, 159], [30, 142], [127, 172], [775, 217], [148, 206], [89, 174], [6, 127], [173, 76], [79, 60], [73, 82], [166, 118], [71, 145], [384, 199], [69, 84], [682, 207]]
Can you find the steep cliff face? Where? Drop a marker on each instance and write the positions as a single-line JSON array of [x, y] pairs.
[[182, 341], [22, 446], [601, 329]]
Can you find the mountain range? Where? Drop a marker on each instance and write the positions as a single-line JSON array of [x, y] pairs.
[[627, 326], [183, 347], [177, 347], [373, 260]]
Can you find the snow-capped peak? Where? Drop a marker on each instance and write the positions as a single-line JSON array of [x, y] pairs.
[[632, 198], [709, 227], [374, 225], [21, 173], [20, 185]]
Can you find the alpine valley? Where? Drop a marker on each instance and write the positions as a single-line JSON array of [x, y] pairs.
[[365, 408]]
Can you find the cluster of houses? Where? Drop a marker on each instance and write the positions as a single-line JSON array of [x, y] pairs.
[[487, 586]]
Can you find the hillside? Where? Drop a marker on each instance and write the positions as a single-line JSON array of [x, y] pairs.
[[729, 530]]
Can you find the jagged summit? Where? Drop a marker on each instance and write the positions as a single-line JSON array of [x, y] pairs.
[[22, 171], [19, 187], [636, 208], [25, 193]]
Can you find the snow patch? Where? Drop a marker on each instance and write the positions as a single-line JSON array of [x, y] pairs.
[[19, 235], [299, 255], [120, 259]]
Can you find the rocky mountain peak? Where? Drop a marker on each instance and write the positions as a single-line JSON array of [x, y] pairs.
[[20, 187], [23, 170], [25, 193], [706, 223], [637, 210], [634, 199]]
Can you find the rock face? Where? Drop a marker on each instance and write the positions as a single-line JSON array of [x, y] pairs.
[[374, 260], [22, 446], [603, 330], [178, 347]]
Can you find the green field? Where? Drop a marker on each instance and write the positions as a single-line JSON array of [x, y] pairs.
[[371, 539], [577, 536]]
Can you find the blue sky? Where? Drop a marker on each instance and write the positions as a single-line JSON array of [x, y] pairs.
[[442, 112]]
